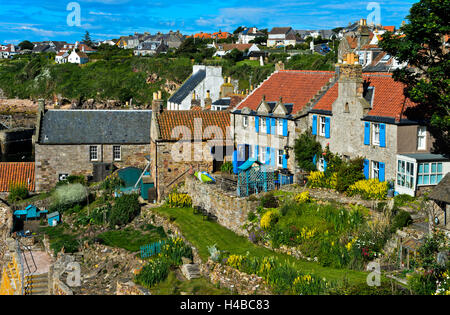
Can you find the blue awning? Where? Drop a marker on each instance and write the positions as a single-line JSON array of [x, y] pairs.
[[248, 164]]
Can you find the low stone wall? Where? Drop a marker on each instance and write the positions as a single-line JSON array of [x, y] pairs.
[[130, 288], [238, 282], [6, 222], [59, 288], [230, 210]]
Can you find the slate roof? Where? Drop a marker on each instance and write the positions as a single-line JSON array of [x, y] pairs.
[[188, 86], [168, 121], [280, 30], [17, 173], [296, 87], [240, 47], [388, 98], [96, 127], [442, 191]]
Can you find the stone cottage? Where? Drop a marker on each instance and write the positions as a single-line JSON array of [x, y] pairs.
[[183, 142], [358, 114], [91, 143], [202, 88]]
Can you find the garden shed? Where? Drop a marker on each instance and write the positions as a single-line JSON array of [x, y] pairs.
[[53, 219], [254, 178], [136, 181], [440, 195]]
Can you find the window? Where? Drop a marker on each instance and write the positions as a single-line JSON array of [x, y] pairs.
[[117, 154], [376, 134], [280, 158], [263, 124], [280, 127], [421, 138], [405, 174], [429, 173], [262, 153], [322, 126], [93, 153], [375, 169], [245, 121]]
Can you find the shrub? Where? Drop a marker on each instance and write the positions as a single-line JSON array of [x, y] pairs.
[[214, 253], [303, 197], [371, 189], [112, 183], [306, 147], [269, 201], [269, 219], [227, 168], [179, 200], [402, 219], [316, 180], [125, 209], [174, 250], [154, 272], [17, 191], [349, 173], [67, 196]]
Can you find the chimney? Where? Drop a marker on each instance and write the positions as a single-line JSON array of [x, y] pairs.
[[208, 100], [350, 77], [158, 103], [279, 66]]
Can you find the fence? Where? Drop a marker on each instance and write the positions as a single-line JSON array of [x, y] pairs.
[[152, 249]]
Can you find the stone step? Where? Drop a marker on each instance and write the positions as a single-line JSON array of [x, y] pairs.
[[191, 271]]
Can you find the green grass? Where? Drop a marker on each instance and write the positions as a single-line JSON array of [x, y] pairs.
[[203, 234], [173, 286], [132, 240], [251, 63]]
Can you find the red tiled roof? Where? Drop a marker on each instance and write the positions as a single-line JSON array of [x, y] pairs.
[[389, 100], [169, 120], [16, 173], [294, 86], [240, 47], [389, 28]]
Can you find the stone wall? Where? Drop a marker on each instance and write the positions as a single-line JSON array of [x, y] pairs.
[[238, 282], [6, 222], [130, 288], [53, 160], [230, 210]]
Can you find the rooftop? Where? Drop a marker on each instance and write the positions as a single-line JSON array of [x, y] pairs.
[[15, 173]]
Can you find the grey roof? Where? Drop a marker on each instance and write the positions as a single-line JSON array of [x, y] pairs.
[[96, 127], [442, 191], [226, 101], [426, 157], [188, 87]]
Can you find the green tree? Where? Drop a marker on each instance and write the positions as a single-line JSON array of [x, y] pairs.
[[26, 44], [423, 46], [306, 147], [87, 39]]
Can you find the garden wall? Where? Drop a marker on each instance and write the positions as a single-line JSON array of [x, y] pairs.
[[230, 210]]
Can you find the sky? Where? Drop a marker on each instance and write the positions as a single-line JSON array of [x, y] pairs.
[[107, 19]]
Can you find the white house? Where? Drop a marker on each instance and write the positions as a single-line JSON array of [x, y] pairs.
[[62, 57], [78, 58], [249, 34]]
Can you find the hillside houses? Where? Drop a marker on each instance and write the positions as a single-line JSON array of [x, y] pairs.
[[282, 37], [355, 113], [224, 49], [7, 51], [249, 34], [151, 48], [78, 58]]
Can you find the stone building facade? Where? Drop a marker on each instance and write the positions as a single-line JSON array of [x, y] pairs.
[[91, 143]]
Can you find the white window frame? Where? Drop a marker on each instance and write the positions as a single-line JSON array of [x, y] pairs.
[[376, 134], [263, 124], [262, 153], [93, 153], [245, 121], [429, 173], [280, 154], [406, 174], [120, 153], [376, 169], [322, 126], [421, 138], [280, 127]]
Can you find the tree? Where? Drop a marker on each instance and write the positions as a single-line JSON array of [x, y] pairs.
[[305, 149], [239, 30], [87, 39], [26, 45], [422, 46]]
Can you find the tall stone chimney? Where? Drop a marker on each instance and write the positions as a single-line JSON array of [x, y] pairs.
[[350, 77], [158, 103], [208, 100], [227, 89]]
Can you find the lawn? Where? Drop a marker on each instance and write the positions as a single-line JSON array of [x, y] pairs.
[[132, 240], [252, 63], [173, 286], [203, 234]]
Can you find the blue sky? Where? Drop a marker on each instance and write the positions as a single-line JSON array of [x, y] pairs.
[[106, 19]]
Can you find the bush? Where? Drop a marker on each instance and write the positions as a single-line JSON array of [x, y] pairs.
[[269, 219], [179, 200], [306, 147], [227, 168], [304, 197], [401, 220], [17, 192], [67, 196], [125, 209], [269, 201], [371, 189], [154, 272]]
